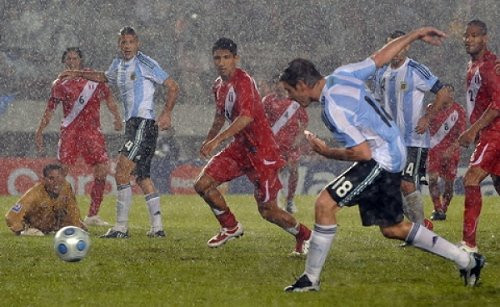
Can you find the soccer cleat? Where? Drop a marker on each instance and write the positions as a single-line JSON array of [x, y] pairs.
[[301, 247], [225, 235], [95, 221], [470, 249], [115, 234], [471, 274], [438, 215], [291, 207], [303, 284], [156, 234]]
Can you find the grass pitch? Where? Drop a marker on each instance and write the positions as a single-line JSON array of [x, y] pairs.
[[363, 268]]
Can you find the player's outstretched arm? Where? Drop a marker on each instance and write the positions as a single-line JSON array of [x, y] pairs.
[[97, 76], [44, 122], [165, 119], [360, 152], [429, 35]]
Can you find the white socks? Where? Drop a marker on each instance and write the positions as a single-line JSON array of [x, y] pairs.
[[321, 241], [153, 202], [427, 240], [123, 203], [413, 207]]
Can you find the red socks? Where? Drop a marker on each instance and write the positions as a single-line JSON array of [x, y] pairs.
[[96, 195], [472, 210], [227, 219]]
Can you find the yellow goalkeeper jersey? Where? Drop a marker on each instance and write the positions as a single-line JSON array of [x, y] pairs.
[[36, 209]]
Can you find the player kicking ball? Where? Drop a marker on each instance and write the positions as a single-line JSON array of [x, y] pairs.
[[372, 140]]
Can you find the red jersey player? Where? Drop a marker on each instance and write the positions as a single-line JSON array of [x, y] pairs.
[[253, 151], [444, 154], [483, 108], [80, 128], [288, 121]]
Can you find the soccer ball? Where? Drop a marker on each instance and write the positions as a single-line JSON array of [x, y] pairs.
[[71, 243]]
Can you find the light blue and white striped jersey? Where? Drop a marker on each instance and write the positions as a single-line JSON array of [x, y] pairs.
[[136, 80], [401, 91], [351, 113]]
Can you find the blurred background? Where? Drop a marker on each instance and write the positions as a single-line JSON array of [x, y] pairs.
[[179, 36]]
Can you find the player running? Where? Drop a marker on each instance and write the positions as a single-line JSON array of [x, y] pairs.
[[46, 207], [81, 127], [373, 140], [288, 121], [253, 151], [136, 75], [444, 153], [483, 109]]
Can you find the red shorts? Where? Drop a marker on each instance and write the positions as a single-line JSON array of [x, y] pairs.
[[445, 168], [89, 144], [487, 155], [234, 161]]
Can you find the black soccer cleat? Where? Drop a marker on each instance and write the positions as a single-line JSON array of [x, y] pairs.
[[438, 216], [157, 234], [115, 234], [303, 284], [471, 275]]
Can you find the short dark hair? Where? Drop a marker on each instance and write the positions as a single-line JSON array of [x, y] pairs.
[[480, 24], [127, 30], [71, 49], [396, 34], [51, 167], [300, 69], [225, 44]]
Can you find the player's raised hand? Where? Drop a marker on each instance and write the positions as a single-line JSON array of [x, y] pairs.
[[431, 35]]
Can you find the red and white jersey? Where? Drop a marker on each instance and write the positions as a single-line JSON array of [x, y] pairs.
[[287, 119], [81, 100], [239, 97], [483, 90], [446, 127]]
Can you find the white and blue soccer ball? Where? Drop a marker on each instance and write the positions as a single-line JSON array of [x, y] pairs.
[[71, 243]]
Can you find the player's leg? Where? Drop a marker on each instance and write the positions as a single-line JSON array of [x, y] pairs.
[[435, 196], [284, 176], [221, 168], [95, 154], [473, 203], [496, 183], [413, 204], [449, 173], [293, 179]]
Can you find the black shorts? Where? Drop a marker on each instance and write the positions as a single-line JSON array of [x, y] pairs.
[[140, 144], [415, 167], [373, 189]]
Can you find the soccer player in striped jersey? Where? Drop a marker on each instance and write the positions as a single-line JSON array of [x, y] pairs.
[[400, 86], [371, 139], [444, 153], [483, 110], [136, 76], [81, 127]]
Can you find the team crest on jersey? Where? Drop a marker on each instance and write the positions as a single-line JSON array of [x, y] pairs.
[[16, 208], [132, 76], [403, 86]]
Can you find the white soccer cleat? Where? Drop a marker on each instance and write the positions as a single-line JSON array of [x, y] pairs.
[[225, 235], [95, 221], [301, 247]]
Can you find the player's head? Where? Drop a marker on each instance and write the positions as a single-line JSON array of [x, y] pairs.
[[53, 178], [225, 56], [397, 60], [128, 42], [475, 38], [72, 58], [299, 79]]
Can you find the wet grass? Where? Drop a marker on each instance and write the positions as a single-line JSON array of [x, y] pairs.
[[363, 268]]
